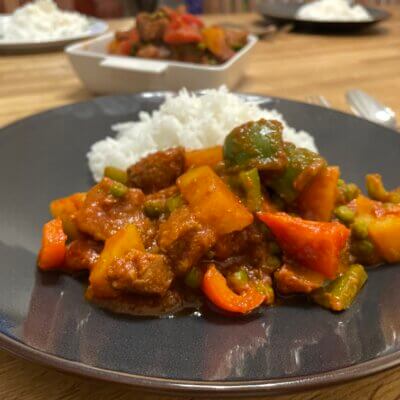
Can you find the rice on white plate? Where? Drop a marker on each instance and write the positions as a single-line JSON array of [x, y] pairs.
[[333, 10], [187, 120], [42, 20]]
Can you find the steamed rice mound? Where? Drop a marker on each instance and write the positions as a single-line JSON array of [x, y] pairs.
[[185, 120]]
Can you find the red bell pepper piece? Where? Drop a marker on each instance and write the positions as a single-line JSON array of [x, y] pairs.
[[216, 289], [182, 30], [314, 245]]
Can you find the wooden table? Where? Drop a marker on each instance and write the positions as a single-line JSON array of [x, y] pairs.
[[287, 65]]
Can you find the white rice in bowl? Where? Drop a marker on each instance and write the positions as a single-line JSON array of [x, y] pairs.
[[187, 120]]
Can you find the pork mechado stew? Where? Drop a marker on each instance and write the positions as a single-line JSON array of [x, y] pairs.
[[169, 34], [238, 225]]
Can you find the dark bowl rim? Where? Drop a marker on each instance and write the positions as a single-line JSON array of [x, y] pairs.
[[182, 387]]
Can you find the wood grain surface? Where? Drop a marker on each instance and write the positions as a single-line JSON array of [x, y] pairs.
[[289, 65]]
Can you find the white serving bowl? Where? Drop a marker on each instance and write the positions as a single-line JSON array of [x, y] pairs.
[[103, 73]]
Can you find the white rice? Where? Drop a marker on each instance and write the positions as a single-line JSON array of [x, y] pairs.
[[183, 120], [333, 10], [42, 20]]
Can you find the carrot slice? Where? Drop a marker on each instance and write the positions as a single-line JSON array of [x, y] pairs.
[[216, 289], [53, 250], [314, 245]]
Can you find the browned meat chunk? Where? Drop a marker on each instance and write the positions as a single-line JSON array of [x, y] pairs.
[[184, 239], [150, 27], [290, 279], [141, 272], [174, 300], [189, 53], [235, 39], [82, 254], [103, 214], [163, 194], [249, 241], [157, 171], [152, 51]]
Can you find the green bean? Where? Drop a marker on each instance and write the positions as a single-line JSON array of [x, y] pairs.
[[377, 191], [174, 202], [118, 189], [194, 278], [250, 182], [341, 292], [345, 214], [154, 208], [116, 174], [359, 228]]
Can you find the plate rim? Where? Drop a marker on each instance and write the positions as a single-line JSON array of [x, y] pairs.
[[237, 388]]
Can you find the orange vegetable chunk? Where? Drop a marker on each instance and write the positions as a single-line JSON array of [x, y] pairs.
[[212, 202], [66, 209], [314, 245], [210, 156], [216, 289], [115, 246], [53, 250], [385, 233], [317, 200]]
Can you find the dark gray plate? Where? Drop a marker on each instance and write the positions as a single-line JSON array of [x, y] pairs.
[[285, 13], [44, 317]]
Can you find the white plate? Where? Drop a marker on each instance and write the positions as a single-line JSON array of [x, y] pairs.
[[103, 73], [96, 27]]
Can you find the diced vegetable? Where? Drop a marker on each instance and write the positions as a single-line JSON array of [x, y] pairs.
[[295, 279], [117, 189], [174, 202], [317, 200], [266, 290], [385, 233], [345, 214], [363, 206], [377, 191], [314, 245], [340, 294], [360, 227], [53, 250], [66, 209], [216, 289], [116, 174], [302, 166], [182, 31], [210, 156], [256, 144], [154, 208], [116, 246], [214, 39], [239, 279], [212, 201], [250, 182], [194, 278]]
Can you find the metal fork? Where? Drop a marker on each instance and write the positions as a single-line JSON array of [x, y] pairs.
[[318, 100], [366, 106]]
